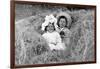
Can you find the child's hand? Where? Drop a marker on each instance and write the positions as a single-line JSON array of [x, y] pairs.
[[62, 34]]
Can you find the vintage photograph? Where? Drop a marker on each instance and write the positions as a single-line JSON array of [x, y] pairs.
[[48, 33]]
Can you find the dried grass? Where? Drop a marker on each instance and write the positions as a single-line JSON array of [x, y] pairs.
[[31, 48]]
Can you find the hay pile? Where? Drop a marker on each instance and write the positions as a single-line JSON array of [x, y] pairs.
[[30, 46]]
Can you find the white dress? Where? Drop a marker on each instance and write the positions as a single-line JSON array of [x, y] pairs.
[[54, 40]]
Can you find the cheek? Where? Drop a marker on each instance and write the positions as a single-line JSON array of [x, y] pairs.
[[60, 23], [48, 28], [52, 28], [64, 23]]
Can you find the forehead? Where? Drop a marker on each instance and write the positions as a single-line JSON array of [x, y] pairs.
[[63, 19], [50, 24]]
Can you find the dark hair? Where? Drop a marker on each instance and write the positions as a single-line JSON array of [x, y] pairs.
[[47, 26], [59, 20]]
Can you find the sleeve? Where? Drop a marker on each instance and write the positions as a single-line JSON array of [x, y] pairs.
[[58, 38], [67, 33], [44, 36], [60, 45]]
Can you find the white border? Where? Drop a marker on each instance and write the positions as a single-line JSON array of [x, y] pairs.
[[5, 34]]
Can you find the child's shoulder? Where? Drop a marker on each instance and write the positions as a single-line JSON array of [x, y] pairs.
[[55, 32], [44, 34], [67, 30]]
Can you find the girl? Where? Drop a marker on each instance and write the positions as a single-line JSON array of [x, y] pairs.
[[63, 23], [63, 30], [51, 36]]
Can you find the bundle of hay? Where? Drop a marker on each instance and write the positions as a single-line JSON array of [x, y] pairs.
[[30, 46], [82, 35], [28, 42]]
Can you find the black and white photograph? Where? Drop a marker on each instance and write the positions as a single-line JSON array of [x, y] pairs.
[[47, 33]]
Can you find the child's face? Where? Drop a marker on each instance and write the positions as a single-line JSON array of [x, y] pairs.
[[50, 28], [62, 22]]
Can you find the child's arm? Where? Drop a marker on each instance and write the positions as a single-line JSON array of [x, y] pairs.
[[58, 38], [67, 33]]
